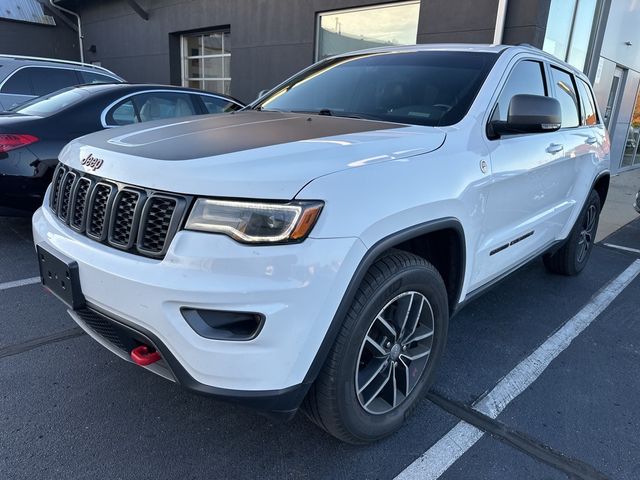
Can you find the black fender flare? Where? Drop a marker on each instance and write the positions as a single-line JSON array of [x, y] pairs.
[[367, 260]]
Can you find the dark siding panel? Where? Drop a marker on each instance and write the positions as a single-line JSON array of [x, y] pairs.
[[20, 38], [271, 39]]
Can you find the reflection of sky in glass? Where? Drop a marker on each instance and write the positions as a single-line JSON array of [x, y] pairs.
[[556, 40], [397, 24], [581, 33]]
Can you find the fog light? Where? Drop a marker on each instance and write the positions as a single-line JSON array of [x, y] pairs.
[[219, 325]]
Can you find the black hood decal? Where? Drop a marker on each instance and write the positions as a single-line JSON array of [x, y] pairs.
[[206, 136]]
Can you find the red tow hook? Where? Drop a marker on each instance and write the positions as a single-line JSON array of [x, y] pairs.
[[142, 355]]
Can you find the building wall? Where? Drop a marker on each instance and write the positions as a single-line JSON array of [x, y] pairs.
[[272, 39], [621, 29], [21, 38]]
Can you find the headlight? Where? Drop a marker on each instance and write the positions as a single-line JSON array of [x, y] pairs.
[[255, 222]]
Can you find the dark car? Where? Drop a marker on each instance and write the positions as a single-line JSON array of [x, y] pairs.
[[32, 135], [636, 204]]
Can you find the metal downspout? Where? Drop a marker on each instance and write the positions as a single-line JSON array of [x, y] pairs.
[[65, 10]]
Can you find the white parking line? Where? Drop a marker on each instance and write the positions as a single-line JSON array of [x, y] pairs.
[[620, 247], [435, 461], [19, 283]]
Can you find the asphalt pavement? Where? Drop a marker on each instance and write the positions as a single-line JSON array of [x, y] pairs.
[[71, 409]]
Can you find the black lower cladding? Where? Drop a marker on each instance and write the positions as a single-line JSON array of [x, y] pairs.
[[281, 404]]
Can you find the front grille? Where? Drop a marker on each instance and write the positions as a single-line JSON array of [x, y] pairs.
[[125, 208], [79, 203], [55, 189], [137, 220], [159, 212], [65, 194]]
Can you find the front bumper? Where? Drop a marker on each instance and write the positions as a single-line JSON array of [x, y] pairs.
[[296, 287]]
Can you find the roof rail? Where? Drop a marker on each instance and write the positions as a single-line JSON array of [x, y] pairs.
[[56, 60]]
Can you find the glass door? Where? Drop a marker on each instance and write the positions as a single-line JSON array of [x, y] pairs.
[[614, 93], [630, 157]]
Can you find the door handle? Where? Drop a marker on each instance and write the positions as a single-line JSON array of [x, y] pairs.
[[555, 148], [591, 140]]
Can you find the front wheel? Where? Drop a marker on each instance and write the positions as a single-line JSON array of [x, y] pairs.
[[572, 257], [386, 352]]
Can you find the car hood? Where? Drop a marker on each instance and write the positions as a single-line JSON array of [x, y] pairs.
[[269, 155]]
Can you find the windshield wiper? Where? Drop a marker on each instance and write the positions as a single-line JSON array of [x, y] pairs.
[[332, 113]]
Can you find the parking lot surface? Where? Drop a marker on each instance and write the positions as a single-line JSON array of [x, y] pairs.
[[71, 409]]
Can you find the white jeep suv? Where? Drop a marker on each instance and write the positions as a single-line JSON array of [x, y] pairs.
[[311, 249]]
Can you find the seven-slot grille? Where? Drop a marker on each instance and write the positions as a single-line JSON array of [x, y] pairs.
[[130, 218]]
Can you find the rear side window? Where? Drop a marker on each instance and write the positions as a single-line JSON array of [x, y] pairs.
[[19, 83], [151, 106], [587, 105], [123, 114], [90, 77], [218, 105], [565, 92], [159, 105], [525, 78], [47, 80]]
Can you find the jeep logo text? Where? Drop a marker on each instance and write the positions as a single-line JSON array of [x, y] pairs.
[[91, 162]]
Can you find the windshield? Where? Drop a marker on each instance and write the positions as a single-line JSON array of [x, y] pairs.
[[52, 103], [424, 88]]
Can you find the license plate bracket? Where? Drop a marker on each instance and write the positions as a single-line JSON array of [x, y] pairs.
[[60, 275]]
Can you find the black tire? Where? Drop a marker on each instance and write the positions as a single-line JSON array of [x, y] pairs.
[[572, 257], [332, 402]]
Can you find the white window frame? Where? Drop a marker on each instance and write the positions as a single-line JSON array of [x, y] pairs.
[[319, 15], [226, 76]]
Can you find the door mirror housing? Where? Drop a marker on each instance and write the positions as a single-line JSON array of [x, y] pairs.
[[528, 114]]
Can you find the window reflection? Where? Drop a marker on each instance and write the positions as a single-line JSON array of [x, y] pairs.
[[569, 28], [358, 29], [631, 156]]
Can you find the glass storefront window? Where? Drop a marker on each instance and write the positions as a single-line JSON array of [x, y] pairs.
[[569, 28], [369, 27], [556, 38], [631, 156], [206, 61]]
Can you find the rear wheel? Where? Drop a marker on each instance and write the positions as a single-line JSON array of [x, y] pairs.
[[572, 257], [386, 352]]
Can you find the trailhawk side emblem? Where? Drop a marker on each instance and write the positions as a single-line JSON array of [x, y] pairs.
[[91, 162]]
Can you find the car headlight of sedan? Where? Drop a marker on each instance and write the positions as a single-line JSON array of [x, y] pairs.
[[255, 221]]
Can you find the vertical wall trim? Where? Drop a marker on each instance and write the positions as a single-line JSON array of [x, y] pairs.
[[597, 38], [501, 15]]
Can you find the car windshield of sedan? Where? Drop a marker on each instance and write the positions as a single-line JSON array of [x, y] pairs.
[[51, 103], [434, 88]]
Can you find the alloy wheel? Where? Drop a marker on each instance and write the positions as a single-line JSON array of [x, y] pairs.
[[585, 240], [394, 353]]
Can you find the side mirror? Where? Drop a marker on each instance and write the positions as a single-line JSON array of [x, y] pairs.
[[528, 114]]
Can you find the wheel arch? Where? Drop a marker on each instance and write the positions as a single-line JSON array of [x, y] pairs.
[[402, 238], [601, 185]]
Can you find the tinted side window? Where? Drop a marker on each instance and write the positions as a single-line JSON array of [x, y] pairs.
[[90, 77], [218, 105], [19, 83], [159, 105], [565, 92], [525, 78], [122, 114], [588, 110], [47, 80]]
